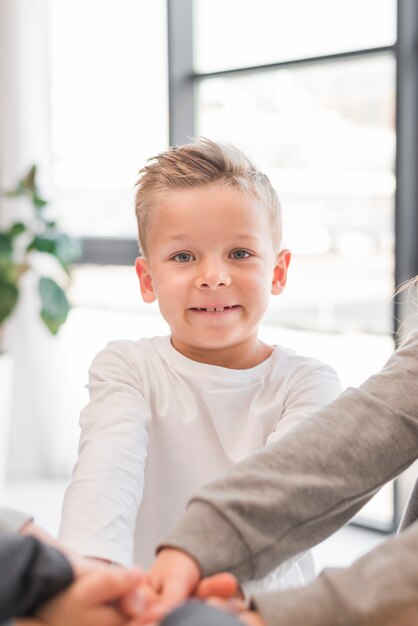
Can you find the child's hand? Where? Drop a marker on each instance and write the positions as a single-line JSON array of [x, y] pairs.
[[143, 603], [174, 576], [172, 579]]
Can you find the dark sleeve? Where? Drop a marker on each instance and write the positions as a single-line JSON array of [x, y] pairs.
[[195, 613], [30, 572], [12, 521]]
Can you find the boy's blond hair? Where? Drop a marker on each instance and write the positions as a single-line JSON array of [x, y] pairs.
[[198, 164]]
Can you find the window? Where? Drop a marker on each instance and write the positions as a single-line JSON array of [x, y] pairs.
[[319, 94], [109, 102], [240, 33], [325, 136], [308, 91]]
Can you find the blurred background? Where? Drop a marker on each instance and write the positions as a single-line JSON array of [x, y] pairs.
[[321, 94]]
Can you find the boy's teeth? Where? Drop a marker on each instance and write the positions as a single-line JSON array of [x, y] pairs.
[[212, 309]]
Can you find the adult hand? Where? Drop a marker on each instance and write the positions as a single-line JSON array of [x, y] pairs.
[[149, 606], [91, 600]]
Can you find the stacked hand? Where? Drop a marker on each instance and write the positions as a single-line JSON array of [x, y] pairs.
[[94, 598], [174, 578], [112, 596]]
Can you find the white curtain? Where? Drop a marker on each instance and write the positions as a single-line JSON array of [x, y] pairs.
[[39, 389]]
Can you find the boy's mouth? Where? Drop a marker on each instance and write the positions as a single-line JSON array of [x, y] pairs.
[[215, 308]]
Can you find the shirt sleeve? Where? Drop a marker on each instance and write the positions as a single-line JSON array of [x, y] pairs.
[[31, 572], [101, 503], [308, 391], [259, 513], [13, 521], [380, 588]]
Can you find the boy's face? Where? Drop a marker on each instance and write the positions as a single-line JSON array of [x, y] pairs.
[[212, 266]]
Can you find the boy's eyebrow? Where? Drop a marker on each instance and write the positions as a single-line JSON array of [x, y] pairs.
[[176, 236], [249, 237], [182, 237]]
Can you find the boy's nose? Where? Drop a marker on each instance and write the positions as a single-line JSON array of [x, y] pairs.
[[213, 278]]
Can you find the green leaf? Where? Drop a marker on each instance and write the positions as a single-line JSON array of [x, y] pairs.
[[25, 186], [67, 248], [55, 306], [28, 187], [8, 298], [61, 246], [17, 229], [38, 202], [6, 245], [29, 182], [43, 244], [9, 271]]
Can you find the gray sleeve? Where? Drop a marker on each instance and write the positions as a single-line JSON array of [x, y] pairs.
[[12, 521], [292, 495], [380, 589], [410, 514]]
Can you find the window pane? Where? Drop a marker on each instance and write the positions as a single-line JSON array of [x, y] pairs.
[[325, 136], [239, 33], [108, 107]]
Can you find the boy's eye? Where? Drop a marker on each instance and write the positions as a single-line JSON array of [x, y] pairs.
[[183, 257], [240, 254]]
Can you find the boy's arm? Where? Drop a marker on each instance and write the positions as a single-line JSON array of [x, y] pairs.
[[296, 492], [308, 390], [101, 503]]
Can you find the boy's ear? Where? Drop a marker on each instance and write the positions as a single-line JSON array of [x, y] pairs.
[[280, 272], [145, 280]]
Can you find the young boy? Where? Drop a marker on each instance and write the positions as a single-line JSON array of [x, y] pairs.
[[168, 414]]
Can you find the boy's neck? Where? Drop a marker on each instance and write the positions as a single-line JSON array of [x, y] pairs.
[[233, 357]]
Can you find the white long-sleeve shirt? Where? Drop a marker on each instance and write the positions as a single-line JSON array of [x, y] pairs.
[[341, 457], [159, 426]]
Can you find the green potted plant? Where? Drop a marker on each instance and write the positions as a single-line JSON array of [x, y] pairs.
[[18, 243], [23, 244]]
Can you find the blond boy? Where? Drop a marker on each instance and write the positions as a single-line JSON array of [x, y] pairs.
[[168, 414]]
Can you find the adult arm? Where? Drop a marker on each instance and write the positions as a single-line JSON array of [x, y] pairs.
[[54, 589], [101, 503], [31, 573], [292, 495], [380, 589], [309, 386]]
